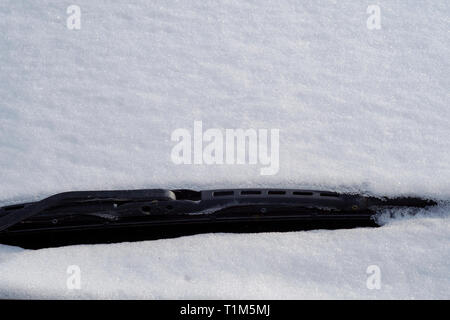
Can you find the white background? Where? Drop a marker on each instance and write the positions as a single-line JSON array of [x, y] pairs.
[[358, 110]]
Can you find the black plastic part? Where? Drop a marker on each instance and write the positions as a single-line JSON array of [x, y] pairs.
[[58, 238], [12, 215], [130, 215]]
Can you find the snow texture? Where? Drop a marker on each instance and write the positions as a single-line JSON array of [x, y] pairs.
[[358, 110], [412, 254]]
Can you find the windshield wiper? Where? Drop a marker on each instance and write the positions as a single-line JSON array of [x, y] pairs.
[[127, 215]]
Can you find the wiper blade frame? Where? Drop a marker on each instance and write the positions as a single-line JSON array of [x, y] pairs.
[[216, 204]]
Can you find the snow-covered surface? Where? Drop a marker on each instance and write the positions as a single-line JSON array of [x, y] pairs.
[[358, 110], [412, 255]]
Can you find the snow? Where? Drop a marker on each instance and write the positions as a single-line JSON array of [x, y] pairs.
[[358, 110], [412, 255]]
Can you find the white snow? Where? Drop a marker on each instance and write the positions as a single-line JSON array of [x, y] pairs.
[[412, 255], [358, 110]]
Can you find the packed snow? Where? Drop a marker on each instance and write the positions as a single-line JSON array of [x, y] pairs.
[[411, 254], [358, 109]]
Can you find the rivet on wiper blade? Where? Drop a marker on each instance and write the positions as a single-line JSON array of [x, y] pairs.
[[146, 210]]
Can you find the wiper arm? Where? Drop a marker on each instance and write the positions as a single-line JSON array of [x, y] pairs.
[[85, 210]]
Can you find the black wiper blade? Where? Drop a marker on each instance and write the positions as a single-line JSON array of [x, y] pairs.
[[11, 215], [128, 210]]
